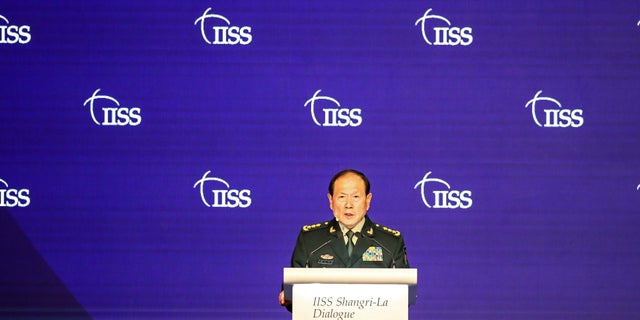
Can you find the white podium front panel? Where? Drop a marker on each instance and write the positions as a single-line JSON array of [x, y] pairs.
[[350, 301], [351, 275]]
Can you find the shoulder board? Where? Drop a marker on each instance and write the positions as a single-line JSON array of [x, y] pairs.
[[390, 231], [315, 226]]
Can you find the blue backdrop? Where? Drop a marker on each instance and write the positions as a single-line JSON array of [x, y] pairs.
[[159, 158]]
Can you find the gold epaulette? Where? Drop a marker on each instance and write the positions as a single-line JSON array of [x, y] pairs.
[[315, 226], [395, 233]]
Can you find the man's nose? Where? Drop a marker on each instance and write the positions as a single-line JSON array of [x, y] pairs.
[[349, 202]]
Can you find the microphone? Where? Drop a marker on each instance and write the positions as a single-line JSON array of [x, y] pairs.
[[306, 263], [393, 259]]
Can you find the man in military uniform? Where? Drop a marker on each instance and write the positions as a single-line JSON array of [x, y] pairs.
[[351, 239]]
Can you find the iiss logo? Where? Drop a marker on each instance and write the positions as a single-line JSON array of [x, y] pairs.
[[223, 31], [554, 116], [106, 111], [331, 113], [438, 31], [10, 197], [437, 193], [220, 194], [12, 34]]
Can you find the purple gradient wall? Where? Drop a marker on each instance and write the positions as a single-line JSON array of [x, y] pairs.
[[170, 153]]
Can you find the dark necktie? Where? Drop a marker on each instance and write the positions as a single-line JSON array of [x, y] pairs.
[[350, 242]]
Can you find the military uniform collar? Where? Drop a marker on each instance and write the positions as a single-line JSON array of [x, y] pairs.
[[357, 228], [368, 228], [365, 226]]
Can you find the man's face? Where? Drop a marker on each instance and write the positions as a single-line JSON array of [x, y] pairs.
[[349, 202]]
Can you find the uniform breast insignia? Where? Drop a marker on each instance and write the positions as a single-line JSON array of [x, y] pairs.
[[389, 230], [310, 227], [373, 254], [326, 259]]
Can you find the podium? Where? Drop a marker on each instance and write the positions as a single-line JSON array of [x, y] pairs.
[[350, 293]]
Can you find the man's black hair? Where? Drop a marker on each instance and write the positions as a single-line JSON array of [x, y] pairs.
[[367, 185]]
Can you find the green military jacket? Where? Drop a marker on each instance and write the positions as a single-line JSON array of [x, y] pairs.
[[322, 245]]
